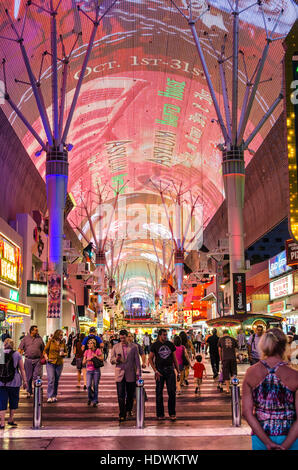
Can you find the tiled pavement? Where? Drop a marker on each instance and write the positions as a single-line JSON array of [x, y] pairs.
[[203, 423]]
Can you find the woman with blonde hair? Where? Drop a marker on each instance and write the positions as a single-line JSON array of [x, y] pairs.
[[54, 353], [270, 396], [11, 374]]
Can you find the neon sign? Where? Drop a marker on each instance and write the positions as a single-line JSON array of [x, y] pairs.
[[10, 263]]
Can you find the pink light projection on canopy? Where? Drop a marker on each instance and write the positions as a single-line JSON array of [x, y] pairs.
[[144, 110]]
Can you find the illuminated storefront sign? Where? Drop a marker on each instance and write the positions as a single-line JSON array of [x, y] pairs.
[[291, 101], [37, 289], [10, 263], [14, 307], [277, 307], [278, 265], [292, 252], [14, 295], [11, 319], [281, 287]]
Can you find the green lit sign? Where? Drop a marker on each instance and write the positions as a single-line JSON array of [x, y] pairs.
[[14, 295]]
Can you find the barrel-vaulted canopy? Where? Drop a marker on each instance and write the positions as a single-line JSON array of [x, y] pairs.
[[145, 118]]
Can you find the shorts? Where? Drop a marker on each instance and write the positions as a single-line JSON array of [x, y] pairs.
[[229, 368], [79, 363], [257, 444], [11, 395], [198, 381]]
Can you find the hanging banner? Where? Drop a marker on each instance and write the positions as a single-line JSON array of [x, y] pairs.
[[54, 295], [239, 293]]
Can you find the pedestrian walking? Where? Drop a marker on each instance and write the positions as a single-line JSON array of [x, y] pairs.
[[212, 344], [54, 354], [93, 356], [199, 369], [126, 357], [163, 353], [146, 343], [79, 355], [268, 396], [11, 374], [69, 344], [131, 340], [183, 360], [92, 335], [32, 346], [227, 354], [252, 345], [199, 340], [5, 335], [190, 351]]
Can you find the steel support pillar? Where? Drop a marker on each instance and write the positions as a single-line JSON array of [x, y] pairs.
[[179, 264], [100, 262], [56, 184], [234, 182]]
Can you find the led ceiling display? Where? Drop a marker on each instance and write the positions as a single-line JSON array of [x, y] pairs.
[[144, 112]]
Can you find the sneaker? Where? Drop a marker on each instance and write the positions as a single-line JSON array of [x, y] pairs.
[[89, 402], [196, 390], [121, 419], [54, 399], [186, 382], [173, 418], [130, 414], [50, 400], [12, 423], [161, 418]]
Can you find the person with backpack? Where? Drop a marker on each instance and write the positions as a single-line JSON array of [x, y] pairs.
[[252, 345], [92, 335], [11, 374]]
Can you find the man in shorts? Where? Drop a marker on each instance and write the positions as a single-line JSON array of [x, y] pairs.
[[227, 346]]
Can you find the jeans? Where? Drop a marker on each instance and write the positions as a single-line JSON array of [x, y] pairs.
[[33, 369], [125, 390], [53, 372], [214, 358], [93, 378], [168, 377]]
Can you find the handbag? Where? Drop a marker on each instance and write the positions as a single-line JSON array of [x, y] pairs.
[[74, 362], [43, 361], [97, 362]]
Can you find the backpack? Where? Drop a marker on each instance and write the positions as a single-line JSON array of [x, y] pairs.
[[7, 370]]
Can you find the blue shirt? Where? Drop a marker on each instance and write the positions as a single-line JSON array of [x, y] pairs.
[[17, 380], [98, 339]]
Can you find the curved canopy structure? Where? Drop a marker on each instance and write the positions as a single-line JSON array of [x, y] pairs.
[[145, 122]]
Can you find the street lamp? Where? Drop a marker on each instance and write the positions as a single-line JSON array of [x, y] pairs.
[[222, 286]]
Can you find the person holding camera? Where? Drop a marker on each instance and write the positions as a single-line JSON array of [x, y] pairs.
[[126, 357], [93, 358]]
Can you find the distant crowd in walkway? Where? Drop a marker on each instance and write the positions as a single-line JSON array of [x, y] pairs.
[[269, 391]]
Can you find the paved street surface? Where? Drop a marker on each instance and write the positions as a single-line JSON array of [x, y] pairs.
[[203, 422]]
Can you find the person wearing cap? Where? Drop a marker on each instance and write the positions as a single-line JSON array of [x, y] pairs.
[[92, 335]]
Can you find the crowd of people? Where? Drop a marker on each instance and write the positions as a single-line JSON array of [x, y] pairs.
[[270, 386]]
